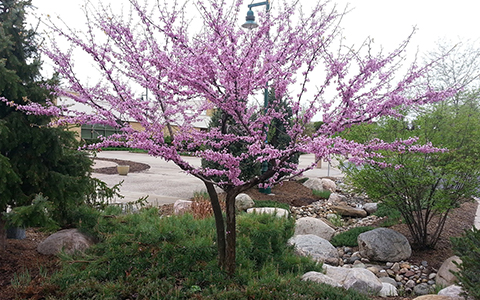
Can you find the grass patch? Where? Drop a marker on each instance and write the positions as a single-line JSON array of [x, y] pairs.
[[324, 194], [349, 238], [144, 256], [393, 215]]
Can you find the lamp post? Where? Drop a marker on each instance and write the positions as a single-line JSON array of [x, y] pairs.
[[251, 24]]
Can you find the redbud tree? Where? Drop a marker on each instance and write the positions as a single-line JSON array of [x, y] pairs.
[[192, 64]]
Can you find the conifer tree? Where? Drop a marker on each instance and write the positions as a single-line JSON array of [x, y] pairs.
[[33, 157]]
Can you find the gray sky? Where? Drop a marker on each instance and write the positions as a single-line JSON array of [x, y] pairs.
[[388, 22]]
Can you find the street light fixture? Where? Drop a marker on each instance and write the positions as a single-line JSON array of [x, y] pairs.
[[251, 24]]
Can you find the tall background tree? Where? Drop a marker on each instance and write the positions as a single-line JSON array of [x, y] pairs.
[[425, 187], [34, 158], [217, 64]]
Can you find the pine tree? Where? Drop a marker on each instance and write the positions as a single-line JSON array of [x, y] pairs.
[[33, 158]]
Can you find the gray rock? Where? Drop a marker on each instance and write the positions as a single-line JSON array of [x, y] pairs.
[[388, 290], [370, 208], [433, 297], [422, 289], [309, 225], [363, 281], [314, 246], [320, 278], [348, 211], [453, 291], [279, 212], [69, 240], [243, 202], [383, 244], [360, 280], [410, 284], [314, 184], [181, 206], [336, 198], [444, 275], [389, 280], [329, 185]]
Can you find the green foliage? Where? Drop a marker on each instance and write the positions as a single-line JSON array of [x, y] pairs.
[[263, 238], [349, 238], [276, 135], [392, 214], [336, 220], [324, 194], [148, 257], [467, 248], [38, 214], [424, 184], [34, 158]]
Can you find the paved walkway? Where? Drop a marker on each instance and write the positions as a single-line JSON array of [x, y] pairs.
[[165, 183]]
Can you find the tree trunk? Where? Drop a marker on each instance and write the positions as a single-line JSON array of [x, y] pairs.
[[231, 232], [219, 224], [3, 234]]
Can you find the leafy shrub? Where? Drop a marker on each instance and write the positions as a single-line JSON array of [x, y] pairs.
[[393, 215], [467, 248], [349, 238], [324, 194]]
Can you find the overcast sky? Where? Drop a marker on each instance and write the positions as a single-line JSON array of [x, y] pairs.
[[388, 22]]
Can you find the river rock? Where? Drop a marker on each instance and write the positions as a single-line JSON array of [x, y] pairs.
[[314, 246], [309, 225], [383, 244], [69, 240], [348, 211]]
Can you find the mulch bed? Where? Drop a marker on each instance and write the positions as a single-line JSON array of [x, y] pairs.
[[134, 166]]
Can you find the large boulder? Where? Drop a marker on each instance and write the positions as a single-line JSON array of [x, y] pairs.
[[320, 278], [243, 202], [444, 274], [363, 281], [314, 184], [383, 244], [69, 240], [453, 291], [433, 297], [336, 198], [358, 279], [348, 211], [370, 208], [422, 289], [309, 225], [329, 185], [388, 290], [279, 212], [316, 247], [181, 206]]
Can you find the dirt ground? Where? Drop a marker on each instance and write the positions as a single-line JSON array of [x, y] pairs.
[[21, 255]]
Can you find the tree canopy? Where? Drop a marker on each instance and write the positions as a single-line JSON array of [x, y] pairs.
[[216, 64]]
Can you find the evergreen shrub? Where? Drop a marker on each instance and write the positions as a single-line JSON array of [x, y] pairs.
[[467, 247], [349, 238]]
